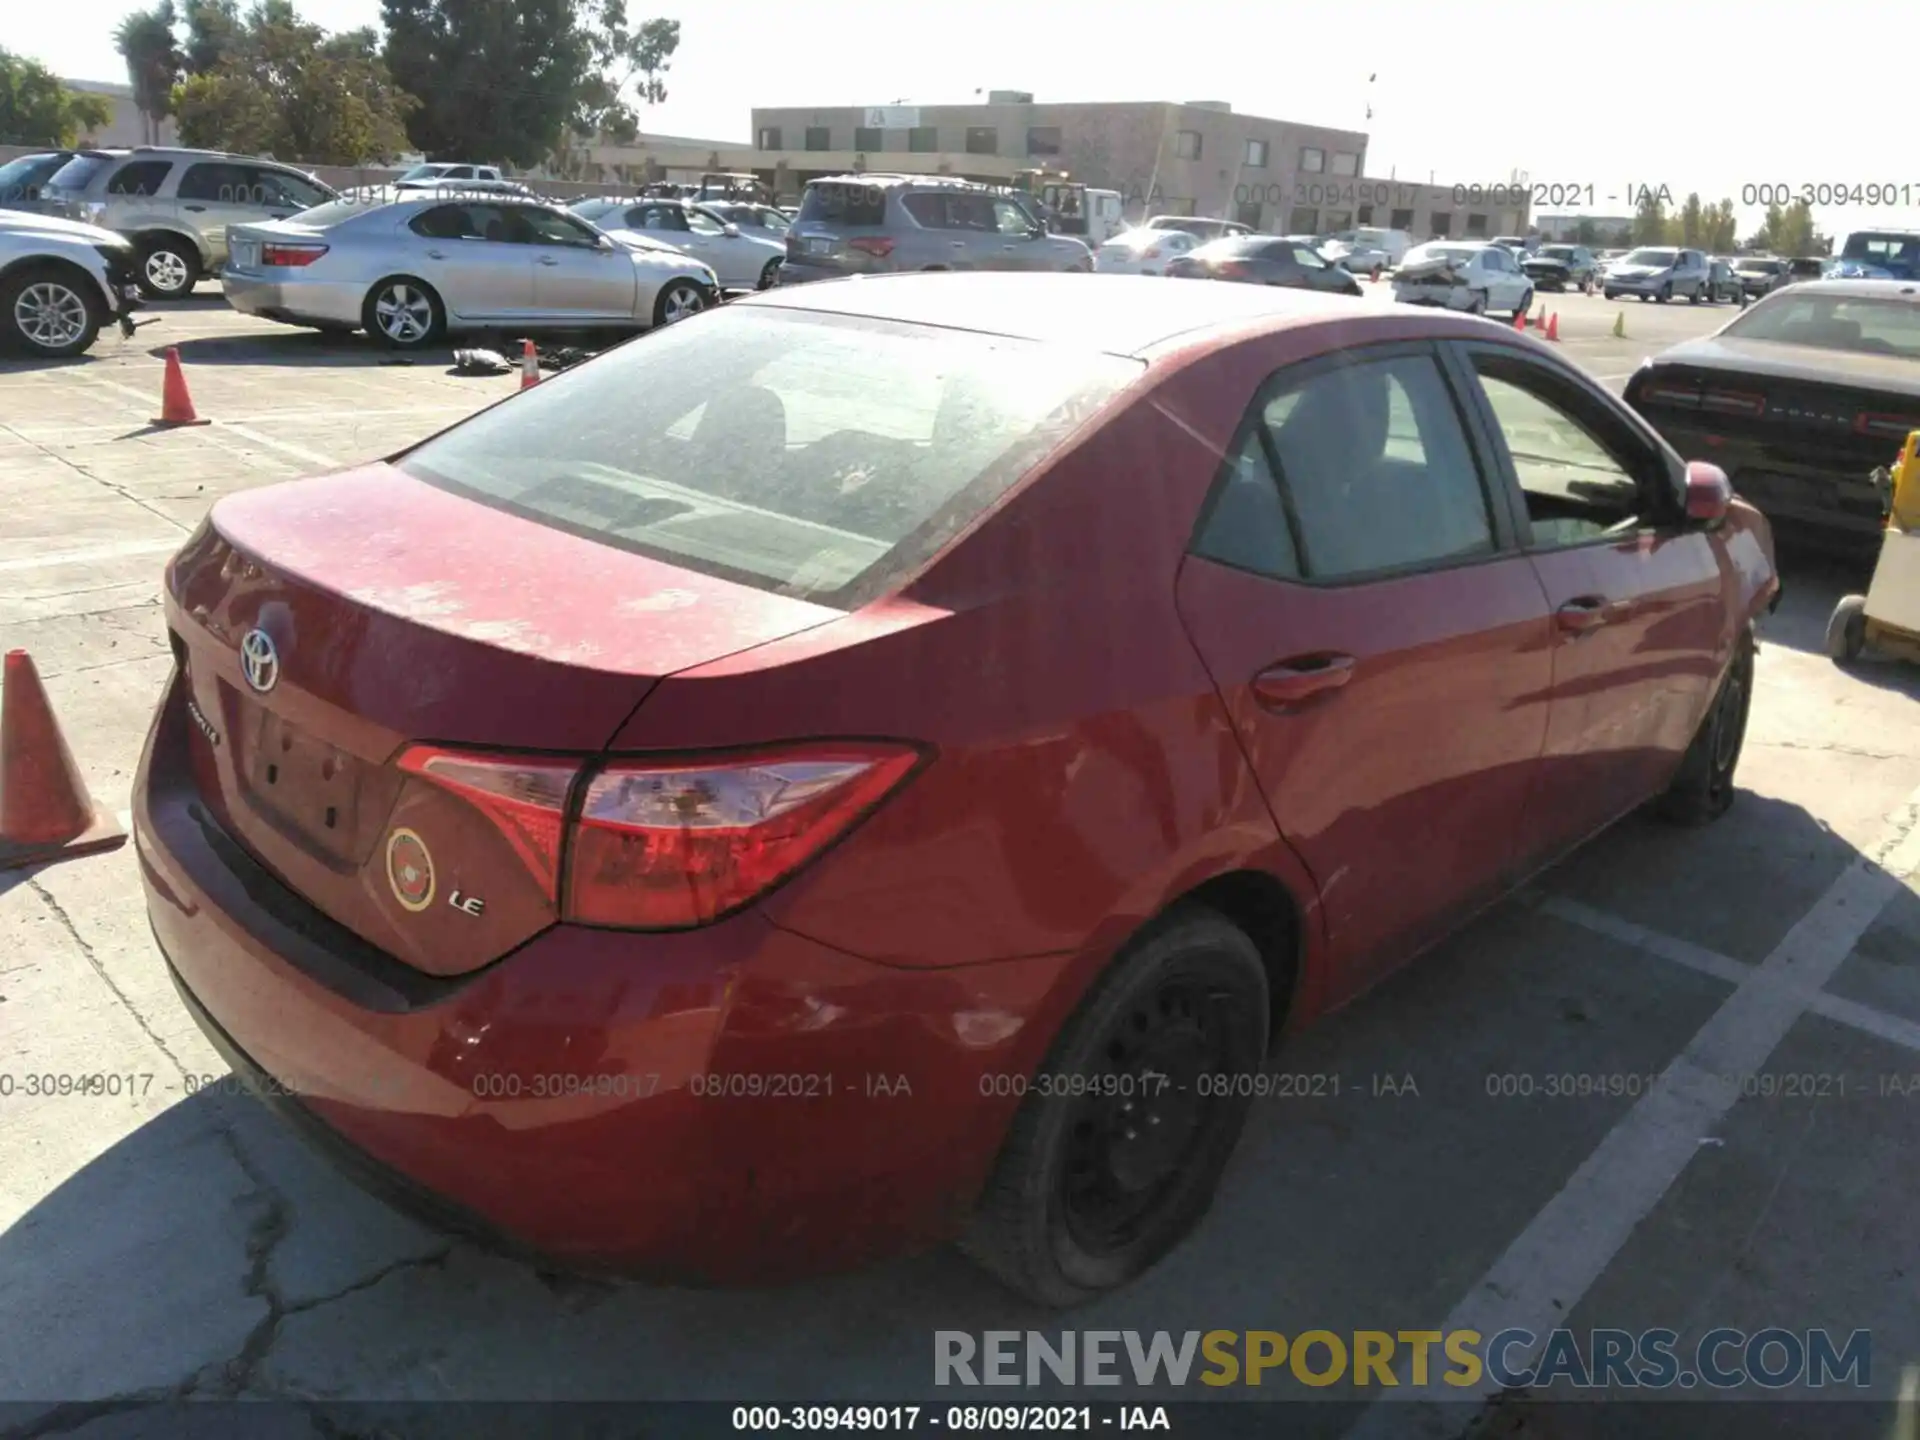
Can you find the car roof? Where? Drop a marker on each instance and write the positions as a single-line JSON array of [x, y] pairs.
[[1118, 314], [1907, 290]]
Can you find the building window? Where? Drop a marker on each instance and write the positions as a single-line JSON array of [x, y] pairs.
[[1364, 215], [1043, 140], [769, 137], [1248, 214], [1256, 154], [1186, 145], [1339, 220], [819, 138], [1302, 220], [867, 137], [983, 140], [1442, 224], [923, 139], [1344, 164], [1402, 220], [1312, 161], [1476, 224]]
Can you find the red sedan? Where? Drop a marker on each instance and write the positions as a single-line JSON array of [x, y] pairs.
[[883, 762]]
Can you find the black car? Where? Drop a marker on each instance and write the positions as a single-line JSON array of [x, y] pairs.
[[1264, 260], [21, 179], [1805, 267], [1799, 399], [1560, 267], [1724, 283]]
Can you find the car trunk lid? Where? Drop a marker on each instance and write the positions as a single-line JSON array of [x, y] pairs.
[[328, 628], [250, 247]]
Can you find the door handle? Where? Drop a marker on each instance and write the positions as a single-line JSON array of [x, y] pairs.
[[1590, 612], [1281, 686], [958, 244], [548, 260], [436, 254], [195, 208]]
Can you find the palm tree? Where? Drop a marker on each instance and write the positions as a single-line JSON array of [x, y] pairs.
[[145, 40]]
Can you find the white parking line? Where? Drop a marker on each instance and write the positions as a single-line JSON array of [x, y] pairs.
[[1544, 1273], [91, 554], [1878, 1023], [292, 452]]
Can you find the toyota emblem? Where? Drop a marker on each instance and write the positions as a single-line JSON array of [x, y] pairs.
[[259, 661]]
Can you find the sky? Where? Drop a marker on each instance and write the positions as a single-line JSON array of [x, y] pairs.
[[1711, 97]]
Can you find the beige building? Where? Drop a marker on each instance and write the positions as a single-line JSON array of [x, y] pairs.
[[128, 126], [1199, 158]]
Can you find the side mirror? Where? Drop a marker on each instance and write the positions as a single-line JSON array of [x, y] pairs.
[[1709, 493], [731, 231]]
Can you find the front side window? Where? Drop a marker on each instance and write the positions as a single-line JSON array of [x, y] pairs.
[[549, 227], [282, 187], [1371, 469], [1580, 472], [702, 223], [810, 455], [1010, 219]]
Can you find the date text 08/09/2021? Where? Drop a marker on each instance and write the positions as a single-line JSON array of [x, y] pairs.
[[952, 1419]]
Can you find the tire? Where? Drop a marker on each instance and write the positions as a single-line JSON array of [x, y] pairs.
[[50, 311], [769, 275], [1702, 787], [1666, 293], [1699, 293], [1477, 304], [1847, 630], [676, 301], [168, 267], [1610, 294], [1189, 1000], [1526, 303], [404, 313]]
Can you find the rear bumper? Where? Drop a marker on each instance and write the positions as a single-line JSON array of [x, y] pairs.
[[798, 272], [294, 303], [736, 1104], [1792, 493]]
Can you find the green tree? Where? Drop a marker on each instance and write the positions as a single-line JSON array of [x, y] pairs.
[[629, 69], [499, 80], [1795, 235], [36, 109], [213, 33], [1693, 223], [285, 87], [1767, 237], [145, 41], [1722, 229], [1650, 221]]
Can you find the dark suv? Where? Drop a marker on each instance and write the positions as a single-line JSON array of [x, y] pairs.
[[879, 224]]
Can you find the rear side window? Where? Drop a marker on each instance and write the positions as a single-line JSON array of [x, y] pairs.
[[844, 202], [79, 172], [221, 184], [811, 455], [1357, 468], [140, 177], [282, 188]]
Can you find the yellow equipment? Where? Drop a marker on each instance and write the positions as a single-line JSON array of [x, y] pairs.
[[1887, 617]]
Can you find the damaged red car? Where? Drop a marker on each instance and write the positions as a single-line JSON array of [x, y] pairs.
[[877, 764]]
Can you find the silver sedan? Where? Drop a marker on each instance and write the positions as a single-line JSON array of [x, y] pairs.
[[407, 271]]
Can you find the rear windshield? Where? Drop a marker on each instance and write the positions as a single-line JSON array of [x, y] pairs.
[[334, 211], [1860, 324], [844, 202], [817, 456], [20, 178], [1653, 257], [1559, 252], [1759, 267], [78, 172]]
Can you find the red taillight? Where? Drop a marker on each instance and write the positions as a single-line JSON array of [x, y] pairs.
[[524, 796], [1735, 402], [1898, 426], [878, 246], [294, 255], [669, 844], [665, 845]]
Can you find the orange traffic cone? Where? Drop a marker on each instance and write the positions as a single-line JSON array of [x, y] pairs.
[[45, 811], [1520, 320], [1553, 326], [529, 365], [176, 406]]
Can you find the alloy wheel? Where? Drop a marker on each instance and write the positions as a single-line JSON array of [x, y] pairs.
[[167, 271], [680, 302], [50, 314], [404, 314]]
